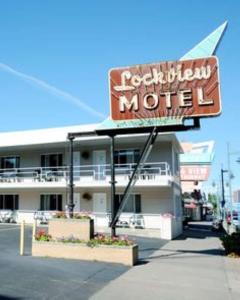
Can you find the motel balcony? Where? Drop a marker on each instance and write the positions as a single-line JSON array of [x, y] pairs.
[[151, 174]]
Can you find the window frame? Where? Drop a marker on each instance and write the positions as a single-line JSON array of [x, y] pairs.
[[137, 208], [17, 161], [44, 164], [45, 203], [3, 200], [134, 155]]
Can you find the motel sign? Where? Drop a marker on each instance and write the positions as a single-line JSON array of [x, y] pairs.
[[187, 89]]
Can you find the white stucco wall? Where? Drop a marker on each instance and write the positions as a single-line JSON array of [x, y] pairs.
[[155, 203]]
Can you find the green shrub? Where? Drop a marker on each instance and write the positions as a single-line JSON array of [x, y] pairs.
[[231, 243]]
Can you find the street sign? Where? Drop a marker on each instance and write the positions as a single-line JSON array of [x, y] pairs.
[[181, 89]]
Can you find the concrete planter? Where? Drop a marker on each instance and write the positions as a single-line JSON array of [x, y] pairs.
[[127, 255], [80, 229]]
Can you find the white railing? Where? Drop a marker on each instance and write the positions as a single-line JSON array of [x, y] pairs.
[[81, 173], [166, 228], [33, 174], [101, 172], [126, 220]]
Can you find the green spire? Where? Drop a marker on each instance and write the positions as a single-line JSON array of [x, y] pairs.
[[208, 46]]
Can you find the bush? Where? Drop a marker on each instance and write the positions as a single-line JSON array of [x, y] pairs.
[[79, 216], [42, 236], [231, 244], [101, 239]]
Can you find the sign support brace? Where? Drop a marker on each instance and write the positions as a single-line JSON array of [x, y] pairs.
[[133, 178]]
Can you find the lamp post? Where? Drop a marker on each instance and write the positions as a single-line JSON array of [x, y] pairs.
[[223, 189], [71, 179], [230, 181], [230, 176], [218, 204]]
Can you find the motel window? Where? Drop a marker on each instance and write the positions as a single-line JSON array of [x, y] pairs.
[[10, 202], [129, 156], [51, 202], [10, 162], [133, 204], [51, 160]]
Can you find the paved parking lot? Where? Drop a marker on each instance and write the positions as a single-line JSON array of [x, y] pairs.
[[27, 277]]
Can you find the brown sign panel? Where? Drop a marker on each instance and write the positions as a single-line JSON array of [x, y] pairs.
[[185, 89]]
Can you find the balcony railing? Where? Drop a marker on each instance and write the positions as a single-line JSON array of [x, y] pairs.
[[82, 173], [36, 174], [101, 219]]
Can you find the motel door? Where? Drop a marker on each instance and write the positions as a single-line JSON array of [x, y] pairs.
[[99, 161], [100, 202], [76, 200], [76, 164]]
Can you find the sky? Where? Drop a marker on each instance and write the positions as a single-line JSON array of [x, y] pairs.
[[55, 57]]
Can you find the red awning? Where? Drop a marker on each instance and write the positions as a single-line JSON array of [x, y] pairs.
[[190, 205]]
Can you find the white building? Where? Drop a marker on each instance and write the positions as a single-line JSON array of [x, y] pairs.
[[236, 196], [34, 177]]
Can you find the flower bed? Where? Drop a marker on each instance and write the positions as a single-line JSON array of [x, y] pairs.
[[78, 216], [100, 248], [231, 244], [80, 226], [42, 236]]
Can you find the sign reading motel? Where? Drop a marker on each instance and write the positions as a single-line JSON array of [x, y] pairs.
[[187, 88]]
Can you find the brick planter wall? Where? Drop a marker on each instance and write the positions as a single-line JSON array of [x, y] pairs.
[[81, 229], [127, 255]]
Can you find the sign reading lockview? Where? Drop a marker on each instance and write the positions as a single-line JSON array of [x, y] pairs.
[[185, 89]]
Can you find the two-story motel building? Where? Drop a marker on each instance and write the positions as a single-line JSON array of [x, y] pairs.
[[34, 177]]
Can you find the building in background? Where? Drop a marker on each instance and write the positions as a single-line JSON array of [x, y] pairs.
[[195, 166], [236, 196]]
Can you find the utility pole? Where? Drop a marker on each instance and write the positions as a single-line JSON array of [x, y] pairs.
[[223, 189], [230, 181]]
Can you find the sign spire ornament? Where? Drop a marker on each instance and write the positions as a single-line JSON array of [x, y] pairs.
[[207, 46]]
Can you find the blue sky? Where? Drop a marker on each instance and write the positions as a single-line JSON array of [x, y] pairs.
[[71, 45]]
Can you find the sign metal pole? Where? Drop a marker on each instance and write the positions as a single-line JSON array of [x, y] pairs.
[[113, 186], [71, 179]]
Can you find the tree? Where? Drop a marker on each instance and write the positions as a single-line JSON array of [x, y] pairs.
[[212, 198], [196, 194]]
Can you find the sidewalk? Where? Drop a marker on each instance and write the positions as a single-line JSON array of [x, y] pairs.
[[190, 268]]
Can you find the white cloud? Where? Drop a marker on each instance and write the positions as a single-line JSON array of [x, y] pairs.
[[53, 90]]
